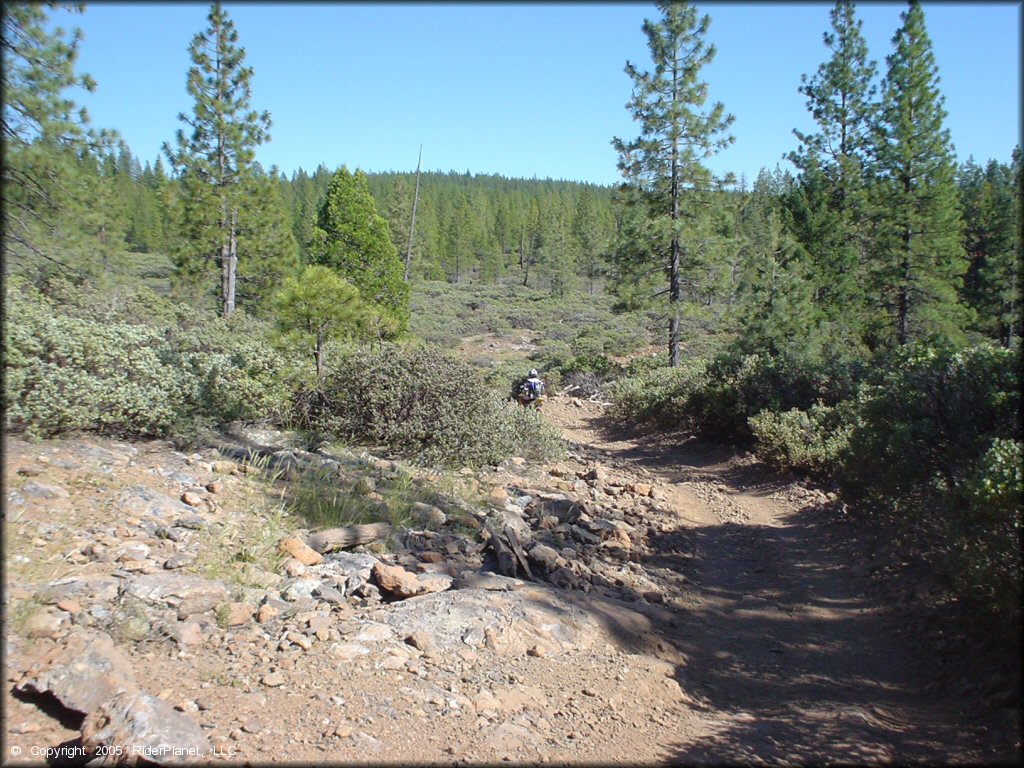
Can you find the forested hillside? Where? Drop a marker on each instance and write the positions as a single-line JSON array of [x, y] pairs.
[[856, 319]]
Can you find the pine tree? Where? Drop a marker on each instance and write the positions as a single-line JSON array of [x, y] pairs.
[[218, 155], [664, 170], [991, 198], [43, 131], [919, 260], [353, 239], [833, 161], [265, 237]]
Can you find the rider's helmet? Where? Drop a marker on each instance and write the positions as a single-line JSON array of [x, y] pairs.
[[533, 373]]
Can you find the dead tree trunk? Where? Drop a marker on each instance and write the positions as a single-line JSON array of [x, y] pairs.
[[412, 225]]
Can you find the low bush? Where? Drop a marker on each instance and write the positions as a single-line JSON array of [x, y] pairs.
[[934, 456], [423, 403], [807, 441], [65, 372], [661, 397]]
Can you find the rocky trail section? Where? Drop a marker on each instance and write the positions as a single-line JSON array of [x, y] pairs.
[[627, 605]]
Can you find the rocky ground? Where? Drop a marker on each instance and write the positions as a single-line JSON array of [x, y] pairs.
[[637, 602]]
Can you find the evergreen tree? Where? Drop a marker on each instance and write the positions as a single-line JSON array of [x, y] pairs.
[[919, 259], [664, 167], [43, 130], [353, 239], [316, 307], [991, 202], [218, 154], [265, 236], [834, 160]]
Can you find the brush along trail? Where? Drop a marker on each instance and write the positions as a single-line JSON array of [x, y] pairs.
[[643, 601]]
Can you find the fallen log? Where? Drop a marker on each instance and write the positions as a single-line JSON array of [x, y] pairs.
[[349, 536]]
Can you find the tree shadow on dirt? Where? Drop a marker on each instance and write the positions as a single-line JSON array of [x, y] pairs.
[[787, 653]]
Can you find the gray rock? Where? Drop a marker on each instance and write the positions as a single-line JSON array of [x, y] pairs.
[[543, 555], [35, 490], [82, 673], [147, 729], [328, 594], [353, 568], [179, 560], [140, 500], [301, 588], [100, 589], [191, 522], [428, 515], [179, 590]]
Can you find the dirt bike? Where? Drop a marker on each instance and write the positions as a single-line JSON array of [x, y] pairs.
[[530, 401]]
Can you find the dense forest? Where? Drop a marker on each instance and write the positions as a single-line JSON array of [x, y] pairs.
[[858, 319]]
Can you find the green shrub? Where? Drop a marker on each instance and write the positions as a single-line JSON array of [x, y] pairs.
[[986, 551], [808, 441], [661, 396], [935, 457], [74, 372], [422, 403]]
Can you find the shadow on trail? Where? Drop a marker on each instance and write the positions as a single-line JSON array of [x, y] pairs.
[[795, 662], [787, 656]]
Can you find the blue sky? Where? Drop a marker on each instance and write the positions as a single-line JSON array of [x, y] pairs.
[[522, 90]]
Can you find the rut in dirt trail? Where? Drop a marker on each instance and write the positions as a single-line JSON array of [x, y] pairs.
[[788, 657]]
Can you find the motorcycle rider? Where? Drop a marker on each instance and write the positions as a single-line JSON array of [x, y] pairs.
[[532, 389]]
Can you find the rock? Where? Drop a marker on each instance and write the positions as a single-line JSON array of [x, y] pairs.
[[301, 551], [427, 515], [190, 594], [192, 499], [420, 640], [32, 470], [35, 490], [300, 589], [348, 651], [215, 487], [146, 729], [69, 606], [82, 673], [328, 594], [179, 560], [135, 552], [544, 556], [293, 568], [596, 475], [497, 497], [43, 623], [140, 500], [238, 614], [273, 679], [266, 613], [401, 584], [187, 633]]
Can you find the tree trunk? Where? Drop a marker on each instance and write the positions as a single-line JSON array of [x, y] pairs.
[[674, 291], [232, 269], [319, 356], [412, 225]]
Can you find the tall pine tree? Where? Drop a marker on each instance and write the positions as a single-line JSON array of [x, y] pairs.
[[918, 259], [218, 154], [833, 161], [664, 167]]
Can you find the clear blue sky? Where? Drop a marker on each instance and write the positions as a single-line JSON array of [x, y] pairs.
[[522, 90]]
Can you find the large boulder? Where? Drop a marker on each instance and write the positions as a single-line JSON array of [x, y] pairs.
[[82, 673], [144, 730]]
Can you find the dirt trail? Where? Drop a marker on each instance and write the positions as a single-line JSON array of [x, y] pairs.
[[788, 656]]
